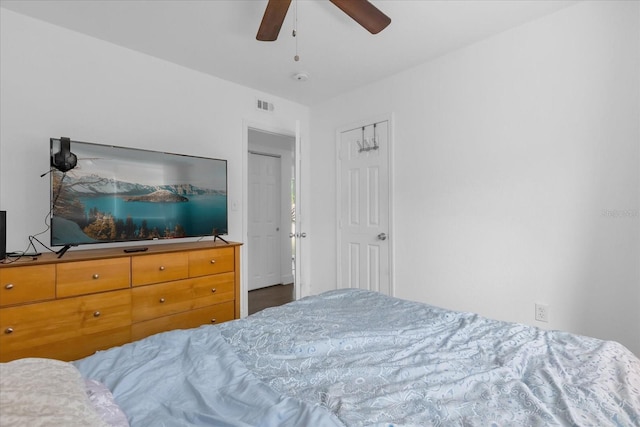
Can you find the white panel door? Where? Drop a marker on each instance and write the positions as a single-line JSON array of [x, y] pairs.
[[364, 209], [264, 221]]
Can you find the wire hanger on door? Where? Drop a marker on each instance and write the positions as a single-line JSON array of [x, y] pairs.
[[368, 144]]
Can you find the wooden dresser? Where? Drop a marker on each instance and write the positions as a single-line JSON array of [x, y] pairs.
[[91, 300]]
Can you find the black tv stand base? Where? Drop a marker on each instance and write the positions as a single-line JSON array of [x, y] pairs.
[[216, 237], [64, 250]]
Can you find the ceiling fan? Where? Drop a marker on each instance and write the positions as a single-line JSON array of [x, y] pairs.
[[363, 12]]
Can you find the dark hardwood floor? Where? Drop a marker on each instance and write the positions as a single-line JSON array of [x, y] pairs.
[[271, 296]]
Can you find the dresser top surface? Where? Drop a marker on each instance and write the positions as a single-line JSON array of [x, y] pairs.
[[103, 253]]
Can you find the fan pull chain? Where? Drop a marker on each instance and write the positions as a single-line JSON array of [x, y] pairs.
[[295, 30]]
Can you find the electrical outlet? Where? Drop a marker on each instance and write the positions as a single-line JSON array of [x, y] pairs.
[[542, 312]]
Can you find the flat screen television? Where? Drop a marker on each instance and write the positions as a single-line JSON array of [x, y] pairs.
[[118, 194]]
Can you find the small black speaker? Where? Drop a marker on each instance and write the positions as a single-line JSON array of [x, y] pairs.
[[3, 235]]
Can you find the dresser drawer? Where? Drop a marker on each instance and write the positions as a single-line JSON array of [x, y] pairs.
[[165, 299], [211, 261], [190, 319], [215, 289], [69, 321], [88, 277], [27, 284], [159, 268]]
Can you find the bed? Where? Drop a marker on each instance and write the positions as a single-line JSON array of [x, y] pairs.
[[359, 358]]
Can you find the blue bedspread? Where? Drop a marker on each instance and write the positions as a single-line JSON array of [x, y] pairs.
[[193, 378], [359, 358]]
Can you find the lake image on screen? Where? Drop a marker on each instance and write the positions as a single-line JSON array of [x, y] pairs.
[[198, 216], [121, 196]]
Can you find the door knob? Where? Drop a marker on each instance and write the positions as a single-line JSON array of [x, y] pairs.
[[382, 236]]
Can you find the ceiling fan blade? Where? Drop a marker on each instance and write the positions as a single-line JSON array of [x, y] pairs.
[[272, 20], [365, 14]]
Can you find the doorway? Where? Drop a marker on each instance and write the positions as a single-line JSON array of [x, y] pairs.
[[271, 207]]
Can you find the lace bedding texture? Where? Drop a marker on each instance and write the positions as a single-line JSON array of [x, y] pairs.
[[44, 392], [104, 404], [358, 358]]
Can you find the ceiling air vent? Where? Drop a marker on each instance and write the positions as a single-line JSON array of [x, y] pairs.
[[264, 105]]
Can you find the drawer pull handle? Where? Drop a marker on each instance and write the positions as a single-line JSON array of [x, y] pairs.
[[96, 276], [8, 286], [8, 331], [213, 290], [213, 320], [162, 268], [162, 300], [96, 314], [213, 261]]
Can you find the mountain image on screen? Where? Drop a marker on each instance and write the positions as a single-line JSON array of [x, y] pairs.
[[117, 194]]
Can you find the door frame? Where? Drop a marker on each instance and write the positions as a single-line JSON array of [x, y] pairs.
[[244, 270], [392, 241]]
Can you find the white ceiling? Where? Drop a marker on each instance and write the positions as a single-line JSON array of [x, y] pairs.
[[217, 37]]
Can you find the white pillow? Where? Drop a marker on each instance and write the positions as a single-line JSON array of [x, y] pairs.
[[44, 392]]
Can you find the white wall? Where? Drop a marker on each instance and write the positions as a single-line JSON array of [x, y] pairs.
[[56, 82], [516, 174], [59, 83]]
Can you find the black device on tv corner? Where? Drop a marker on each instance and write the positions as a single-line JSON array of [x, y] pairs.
[[64, 160], [119, 194]]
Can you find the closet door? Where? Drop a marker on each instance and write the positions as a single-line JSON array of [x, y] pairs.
[[264, 221]]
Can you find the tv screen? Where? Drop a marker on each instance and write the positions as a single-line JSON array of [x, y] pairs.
[[117, 194]]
